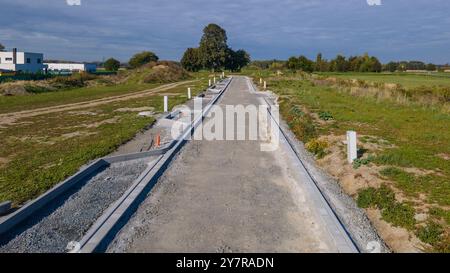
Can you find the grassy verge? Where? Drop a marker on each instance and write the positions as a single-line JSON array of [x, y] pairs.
[[38, 152], [416, 163], [18, 103]]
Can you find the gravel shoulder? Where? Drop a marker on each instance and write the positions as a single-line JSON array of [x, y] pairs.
[[69, 216]]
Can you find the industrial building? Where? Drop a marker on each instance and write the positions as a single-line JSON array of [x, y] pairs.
[[70, 67], [26, 62]]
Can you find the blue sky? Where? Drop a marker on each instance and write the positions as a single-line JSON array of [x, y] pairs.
[[97, 29]]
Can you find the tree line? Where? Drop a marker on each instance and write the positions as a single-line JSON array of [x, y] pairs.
[[340, 63], [213, 53]]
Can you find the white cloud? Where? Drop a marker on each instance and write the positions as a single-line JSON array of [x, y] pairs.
[[73, 2], [374, 2]]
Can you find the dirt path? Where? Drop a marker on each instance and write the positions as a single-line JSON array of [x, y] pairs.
[[229, 196], [11, 118]]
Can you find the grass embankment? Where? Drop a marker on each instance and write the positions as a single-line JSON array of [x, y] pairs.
[[38, 152], [415, 163]]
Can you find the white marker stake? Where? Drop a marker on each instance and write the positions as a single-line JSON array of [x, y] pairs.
[[214, 80], [260, 80], [352, 152], [209, 82], [223, 75], [265, 84], [189, 93], [166, 104]]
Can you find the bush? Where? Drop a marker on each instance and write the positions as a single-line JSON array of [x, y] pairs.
[[317, 147], [142, 58], [325, 116], [112, 64]]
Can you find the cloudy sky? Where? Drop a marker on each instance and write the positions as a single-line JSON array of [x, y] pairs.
[[97, 29]]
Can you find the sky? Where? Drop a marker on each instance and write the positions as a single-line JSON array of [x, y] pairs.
[[267, 29]]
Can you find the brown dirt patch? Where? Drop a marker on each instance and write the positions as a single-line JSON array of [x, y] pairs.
[[398, 239]]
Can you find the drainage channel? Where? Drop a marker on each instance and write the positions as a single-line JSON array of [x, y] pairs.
[[80, 213]]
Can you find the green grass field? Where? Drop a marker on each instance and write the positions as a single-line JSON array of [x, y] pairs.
[[420, 139], [408, 80], [38, 152]]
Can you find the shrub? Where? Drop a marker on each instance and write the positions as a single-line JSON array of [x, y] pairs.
[[325, 116], [317, 147], [142, 58], [112, 64]]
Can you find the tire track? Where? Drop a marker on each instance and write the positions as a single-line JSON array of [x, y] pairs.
[[11, 118]]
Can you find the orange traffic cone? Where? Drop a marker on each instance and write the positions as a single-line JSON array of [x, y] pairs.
[[158, 140]]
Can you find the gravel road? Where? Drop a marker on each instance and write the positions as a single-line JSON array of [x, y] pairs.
[[229, 196]]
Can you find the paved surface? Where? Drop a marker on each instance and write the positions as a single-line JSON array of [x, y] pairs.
[[229, 196]]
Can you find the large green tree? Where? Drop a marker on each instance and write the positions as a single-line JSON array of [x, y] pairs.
[[191, 60], [142, 58], [112, 64], [213, 47], [236, 60]]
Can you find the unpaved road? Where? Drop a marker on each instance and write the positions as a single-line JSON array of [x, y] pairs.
[[229, 196], [10, 118]]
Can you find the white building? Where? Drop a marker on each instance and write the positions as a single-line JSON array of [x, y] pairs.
[[71, 67], [21, 61]]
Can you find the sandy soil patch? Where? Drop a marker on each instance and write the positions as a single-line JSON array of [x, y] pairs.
[[99, 123], [77, 134], [398, 239], [138, 109]]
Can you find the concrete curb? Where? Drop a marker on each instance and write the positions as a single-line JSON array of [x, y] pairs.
[[10, 221], [104, 229]]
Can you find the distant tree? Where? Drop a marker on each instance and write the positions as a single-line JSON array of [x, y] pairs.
[[2, 47], [213, 47], [112, 64], [236, 60], [391, 66], [305, 64], [321, 65], [293, 63], [339, 64], [142, 58], [431, 67], [191, 60], [415, 65]]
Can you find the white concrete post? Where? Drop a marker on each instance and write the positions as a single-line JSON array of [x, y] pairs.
[[209, 83], [214, 80], [166, 104], [223, 75], [352, 152], [189, 93], [265, 84], [260, 80]]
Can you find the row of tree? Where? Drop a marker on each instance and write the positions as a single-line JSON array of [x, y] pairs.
[[411, 65], [214, 53], [363, 63]]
